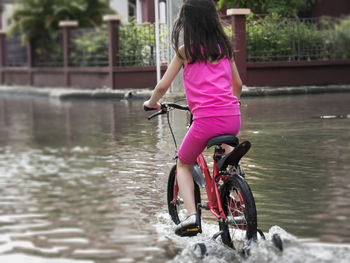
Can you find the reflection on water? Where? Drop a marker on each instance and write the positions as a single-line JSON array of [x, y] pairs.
[[301, 164], [85, 181]]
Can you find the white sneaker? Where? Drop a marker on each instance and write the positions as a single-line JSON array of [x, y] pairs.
[[188, 227]]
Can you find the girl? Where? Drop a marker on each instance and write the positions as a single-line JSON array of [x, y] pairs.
[[212, 86]]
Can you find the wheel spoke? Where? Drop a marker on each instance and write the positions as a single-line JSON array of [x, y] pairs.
[[236, 217]]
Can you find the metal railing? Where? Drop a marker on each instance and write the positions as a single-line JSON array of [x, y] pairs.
[[137, 44], [89, 47], [289, 39], [48, 52], [16, 52], [268, 39]]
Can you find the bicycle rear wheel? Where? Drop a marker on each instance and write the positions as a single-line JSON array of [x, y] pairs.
[[175, 205], [239, 206]]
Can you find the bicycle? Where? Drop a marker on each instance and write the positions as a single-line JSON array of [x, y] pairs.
[[229, 197]]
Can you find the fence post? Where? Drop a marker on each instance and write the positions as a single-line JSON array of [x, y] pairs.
[[67, 25], [2, 55], [30, 60], [238, 24], [113, 22]]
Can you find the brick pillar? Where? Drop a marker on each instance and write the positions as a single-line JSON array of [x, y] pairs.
[[238, 24], [2, 55], [67, 27], [113, 22], [148, 11]]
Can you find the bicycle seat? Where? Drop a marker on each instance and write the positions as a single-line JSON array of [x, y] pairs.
[[227, 139], [234, 157]]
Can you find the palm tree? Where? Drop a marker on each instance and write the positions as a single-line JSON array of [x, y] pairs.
[[40, 18]]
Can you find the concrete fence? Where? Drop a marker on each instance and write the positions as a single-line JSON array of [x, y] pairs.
[[111, 76], [283, 73], [115, 75]]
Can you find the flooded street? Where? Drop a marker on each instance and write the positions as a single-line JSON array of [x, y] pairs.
[[85, 181]]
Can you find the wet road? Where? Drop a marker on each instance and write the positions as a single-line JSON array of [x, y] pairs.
[[85, 181]]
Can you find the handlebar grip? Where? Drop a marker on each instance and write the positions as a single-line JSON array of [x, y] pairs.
[[164, 109], [145, 108], [154, 115]]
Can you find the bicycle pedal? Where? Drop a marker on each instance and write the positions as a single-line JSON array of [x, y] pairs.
[[188, 231]]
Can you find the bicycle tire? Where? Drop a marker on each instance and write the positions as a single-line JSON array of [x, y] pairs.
[[238, 203], [175, 209]]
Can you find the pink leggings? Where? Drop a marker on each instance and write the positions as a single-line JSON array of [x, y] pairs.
[[201, 131]]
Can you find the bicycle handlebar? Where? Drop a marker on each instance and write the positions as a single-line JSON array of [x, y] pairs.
[[145, 108], [165, 108], [178, 106]]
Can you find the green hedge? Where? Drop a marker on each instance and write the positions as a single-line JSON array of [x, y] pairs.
[[281, 39], [90, 48], [343, 32], [268, 39], [136, 45]]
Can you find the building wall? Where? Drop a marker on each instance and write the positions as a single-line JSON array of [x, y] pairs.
[[121, 6], [148, 11], [331, 8], [8, 10], [148, 14]]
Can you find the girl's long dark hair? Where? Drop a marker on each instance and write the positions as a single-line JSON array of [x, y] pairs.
[[204, 37]]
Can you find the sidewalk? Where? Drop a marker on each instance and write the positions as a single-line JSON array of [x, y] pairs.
[[72, 93]]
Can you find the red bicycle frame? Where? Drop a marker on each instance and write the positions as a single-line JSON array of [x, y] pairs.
[[214, 202]]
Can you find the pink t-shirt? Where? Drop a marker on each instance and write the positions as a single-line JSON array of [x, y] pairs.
[[208, 89]]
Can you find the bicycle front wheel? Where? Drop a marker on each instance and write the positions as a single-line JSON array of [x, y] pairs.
[[239, 206], [175, 203]]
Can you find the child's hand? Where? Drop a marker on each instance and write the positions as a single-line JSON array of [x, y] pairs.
[[147, 106]]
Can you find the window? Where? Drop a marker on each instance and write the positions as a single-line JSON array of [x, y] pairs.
[[132, 8]]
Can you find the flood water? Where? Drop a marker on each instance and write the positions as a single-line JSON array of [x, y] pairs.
[[85, 181]]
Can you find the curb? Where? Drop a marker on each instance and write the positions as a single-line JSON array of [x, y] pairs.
[[292, 90], [72, 93]]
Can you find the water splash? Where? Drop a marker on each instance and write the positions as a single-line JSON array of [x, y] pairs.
[[203, 248]]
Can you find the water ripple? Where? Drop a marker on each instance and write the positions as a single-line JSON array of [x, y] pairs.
[[85, 181]]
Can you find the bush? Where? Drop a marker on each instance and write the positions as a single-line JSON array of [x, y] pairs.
[[90, 47], [343, 36], [269, 39], [283, 39], [48, 52], [136, 45]]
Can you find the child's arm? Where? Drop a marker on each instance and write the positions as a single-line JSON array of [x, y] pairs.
[[164, 84], [236, 81]]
